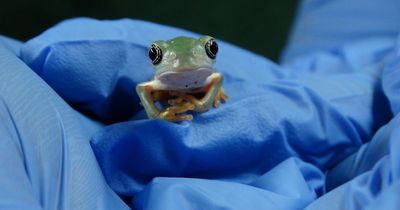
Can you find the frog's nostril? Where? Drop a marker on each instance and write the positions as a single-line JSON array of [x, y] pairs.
[[186, 85], [195, 82]]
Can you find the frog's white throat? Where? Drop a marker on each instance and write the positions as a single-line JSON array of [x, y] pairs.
[[187, 80]]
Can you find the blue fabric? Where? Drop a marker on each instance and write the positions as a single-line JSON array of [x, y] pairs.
[[372, 174], [291, 136], [324, 26], [267, 191], [391, 84], [45, 157], [11, 44]]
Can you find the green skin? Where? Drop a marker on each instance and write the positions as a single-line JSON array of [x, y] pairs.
[[185, 68]]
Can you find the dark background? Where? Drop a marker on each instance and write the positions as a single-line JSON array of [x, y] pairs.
[[261, 26]]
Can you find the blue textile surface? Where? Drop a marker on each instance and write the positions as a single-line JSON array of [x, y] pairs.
[[316, 131], [46, 159]]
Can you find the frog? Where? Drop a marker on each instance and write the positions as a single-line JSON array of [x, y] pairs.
[[184, 68]]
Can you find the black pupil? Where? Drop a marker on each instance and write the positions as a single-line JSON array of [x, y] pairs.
[[214, 47], [153, 53]]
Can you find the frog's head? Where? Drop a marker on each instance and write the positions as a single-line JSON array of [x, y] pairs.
[[183, 63]]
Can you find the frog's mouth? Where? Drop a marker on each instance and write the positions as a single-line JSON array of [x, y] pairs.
[[184, 80]]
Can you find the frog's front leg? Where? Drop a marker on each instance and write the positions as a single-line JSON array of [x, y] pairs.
[[214, 94], [145, 90]]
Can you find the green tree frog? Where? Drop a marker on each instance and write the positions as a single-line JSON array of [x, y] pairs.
[[183, 69]]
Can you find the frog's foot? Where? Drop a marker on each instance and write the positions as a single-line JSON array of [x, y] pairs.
[[184, 100], [177, 101], [174, 113], [221, 96], [198, 104]]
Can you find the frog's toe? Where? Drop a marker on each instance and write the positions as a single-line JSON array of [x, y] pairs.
[[222, 95], [217, 102], [184, 117], [177, 118], [175, 101], [189, 106]]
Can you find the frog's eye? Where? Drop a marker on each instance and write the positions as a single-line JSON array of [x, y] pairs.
[[211, 48], [155, 54]]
